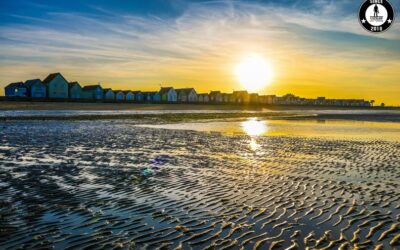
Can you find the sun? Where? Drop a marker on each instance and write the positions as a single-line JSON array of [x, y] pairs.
[[254, 72]]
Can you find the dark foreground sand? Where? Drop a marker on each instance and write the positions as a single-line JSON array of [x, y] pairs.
[[81, 185]]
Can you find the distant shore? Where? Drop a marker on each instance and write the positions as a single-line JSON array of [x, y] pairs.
[[16, 105]]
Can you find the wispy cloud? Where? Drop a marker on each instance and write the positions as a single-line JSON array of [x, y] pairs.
[[198, 46]]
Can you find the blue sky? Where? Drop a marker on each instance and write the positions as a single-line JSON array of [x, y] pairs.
[[140, 44], [13, 11]]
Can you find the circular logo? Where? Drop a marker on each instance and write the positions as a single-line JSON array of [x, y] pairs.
[[376, 15]]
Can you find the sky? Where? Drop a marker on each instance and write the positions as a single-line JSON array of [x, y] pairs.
[[315, 48]]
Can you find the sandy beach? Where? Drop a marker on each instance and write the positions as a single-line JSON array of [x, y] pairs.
[[76, 184]]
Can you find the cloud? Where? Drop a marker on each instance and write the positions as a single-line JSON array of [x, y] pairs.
[[199, 45]]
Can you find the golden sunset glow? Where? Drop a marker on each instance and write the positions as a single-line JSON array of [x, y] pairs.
[[220, 46], [254, 73]]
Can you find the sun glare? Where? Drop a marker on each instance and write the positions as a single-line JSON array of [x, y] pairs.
[[254, 72], [253, 127]]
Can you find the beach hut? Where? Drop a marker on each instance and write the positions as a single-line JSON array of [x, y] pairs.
[[168, 94], [240, 97], [16, 89], [96, 91], [119, 95], [271, 99], [129, 96], [151, 96], [187, 95], [75, 90], [253, 98], [35, 88], [156, 96], [203, 98], [262, 99], [215, 96], [56, 86], [226, 98], [109, 94], [138, 95]]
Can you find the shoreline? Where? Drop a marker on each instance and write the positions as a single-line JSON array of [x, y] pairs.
[[187, 117], [37, 105]]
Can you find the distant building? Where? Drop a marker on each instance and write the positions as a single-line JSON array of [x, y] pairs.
[[253, 98], [271, 99], [75, 90], [119, 95], [16, 89], [35, 88], [96, 91], [215, 96], [151, 96], [168, 94], [56, 86], [226, 98], [129, 96], [267, 99], [203, 97], [320, 101], [240, 97], [138, 95], [109, 94], [187, 95]]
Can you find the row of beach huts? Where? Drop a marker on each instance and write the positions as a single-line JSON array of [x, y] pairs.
[[55, 86]]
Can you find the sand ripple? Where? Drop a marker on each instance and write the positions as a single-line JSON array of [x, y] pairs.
[[80, 185]]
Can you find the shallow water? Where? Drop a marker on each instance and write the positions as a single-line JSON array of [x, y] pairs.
[[78, 185], [332, 129]]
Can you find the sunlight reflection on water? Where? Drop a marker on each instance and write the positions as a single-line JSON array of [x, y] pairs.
[[253, 128]]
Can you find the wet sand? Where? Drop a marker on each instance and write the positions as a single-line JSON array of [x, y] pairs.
[[83, 184]]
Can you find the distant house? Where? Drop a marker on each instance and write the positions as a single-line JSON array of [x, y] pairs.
[[232, 98], [187, 95], [96, 91], [226, 97], [203, 98], [215, 96], [129, 96], [168, 94], [138, 95], [75, 90], [200, 98], [119, 95], [109, 94], [271, 99], [262, 99], [253, 98], [240, 97], [35, 88], [56, 86], [16, 89], [151, 96]]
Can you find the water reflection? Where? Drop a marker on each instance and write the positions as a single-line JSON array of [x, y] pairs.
[[254, 128], [253, 144]]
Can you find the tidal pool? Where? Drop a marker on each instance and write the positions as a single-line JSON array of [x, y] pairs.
[[332, 129]]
